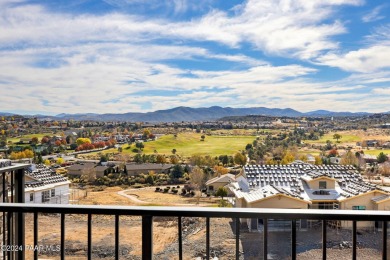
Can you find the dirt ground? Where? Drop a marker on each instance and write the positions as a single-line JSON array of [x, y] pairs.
[[165, 236]]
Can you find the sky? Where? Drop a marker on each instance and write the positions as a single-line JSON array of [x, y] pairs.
[[118, 56]]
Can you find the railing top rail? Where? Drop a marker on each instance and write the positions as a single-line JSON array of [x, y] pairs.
[[362, 215]]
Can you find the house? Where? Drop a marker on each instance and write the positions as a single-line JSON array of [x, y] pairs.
[[43, 185], [135, 169], [302, 186], [83, 168], [220, 181]]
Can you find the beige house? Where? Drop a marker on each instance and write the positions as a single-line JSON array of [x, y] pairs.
[[221, 181], [305, 186]]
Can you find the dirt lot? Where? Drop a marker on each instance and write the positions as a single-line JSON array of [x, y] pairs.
[[165, 236]]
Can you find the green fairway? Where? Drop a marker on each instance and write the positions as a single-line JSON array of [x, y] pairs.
[[188, 144], [376, 152], [29, 136], [346, 138]]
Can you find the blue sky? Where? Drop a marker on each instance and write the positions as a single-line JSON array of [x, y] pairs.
[[117, 56]]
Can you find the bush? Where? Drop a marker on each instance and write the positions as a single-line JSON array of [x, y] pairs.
[[183, 191], [192, 193], [157, 189], [178, 187], [174, 191], [138, 186], [166, 190]]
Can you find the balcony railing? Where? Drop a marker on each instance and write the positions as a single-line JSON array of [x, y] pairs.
[[14, 215]]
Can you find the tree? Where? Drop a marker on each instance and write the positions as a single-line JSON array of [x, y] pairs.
[[174, 151], [81, 141], [34, 140], [202, 137], [221, 192], [88, 174], [161, 159], [220, 170], [382, 158], [197, 178], [146, 134], [60, 161], [337, 137], [240, 159], [349, 158], [139, 145], [177, 171]]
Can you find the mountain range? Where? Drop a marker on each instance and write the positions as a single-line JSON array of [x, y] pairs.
[[188, 114]]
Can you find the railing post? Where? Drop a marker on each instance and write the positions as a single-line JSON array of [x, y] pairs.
[[19, 217], [324, 239], [265, 239], [293, 239], [180, 238], [384, 240], [147, 237], [237, 238], [207, 238], [354, 242]]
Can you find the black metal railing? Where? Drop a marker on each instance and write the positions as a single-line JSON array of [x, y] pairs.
[[147, 214]]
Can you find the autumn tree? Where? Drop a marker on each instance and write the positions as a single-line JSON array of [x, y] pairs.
[[349, 158], [239, 159], [161, 159], [82, 140], [220, 170]]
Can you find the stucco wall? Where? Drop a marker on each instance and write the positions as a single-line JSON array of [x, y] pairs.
[[61, 195], [281, 202]]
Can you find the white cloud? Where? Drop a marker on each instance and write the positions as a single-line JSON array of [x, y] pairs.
[[365, 60], [374, 14]]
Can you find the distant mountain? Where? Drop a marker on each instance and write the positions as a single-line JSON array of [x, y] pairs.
[[6, 114], [179, 114], [335, 114]]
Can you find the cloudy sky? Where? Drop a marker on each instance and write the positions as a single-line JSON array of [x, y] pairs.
[[117, 56]]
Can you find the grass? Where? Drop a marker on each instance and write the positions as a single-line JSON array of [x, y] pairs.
[[188, 144], [346, 138], [29, 136], [377, 152]]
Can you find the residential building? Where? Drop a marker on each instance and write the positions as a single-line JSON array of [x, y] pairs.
[[305, 186], [44, 185]]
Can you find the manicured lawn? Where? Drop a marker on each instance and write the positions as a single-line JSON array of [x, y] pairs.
[[29, 136], [188, 144], [376, 152], [346, 138]]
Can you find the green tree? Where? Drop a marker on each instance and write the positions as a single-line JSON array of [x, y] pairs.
[[177, 171], [202, 137], [337, 137], [221, 192], [139, 145], [174, 151], [382, 158]]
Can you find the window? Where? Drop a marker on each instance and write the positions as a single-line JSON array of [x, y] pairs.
[[322, 184], [31, 196], [45, 196], [359, 207], [53, 192]]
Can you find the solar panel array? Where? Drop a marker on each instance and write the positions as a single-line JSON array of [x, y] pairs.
[[45, 176], [289, 177]]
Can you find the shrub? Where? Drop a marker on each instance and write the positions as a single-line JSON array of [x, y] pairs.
[[192, 193], [178, 187], [183, 191], [175, 191], [166, 190], [157, 189]]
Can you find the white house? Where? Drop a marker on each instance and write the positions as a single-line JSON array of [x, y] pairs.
[[43, 185]]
